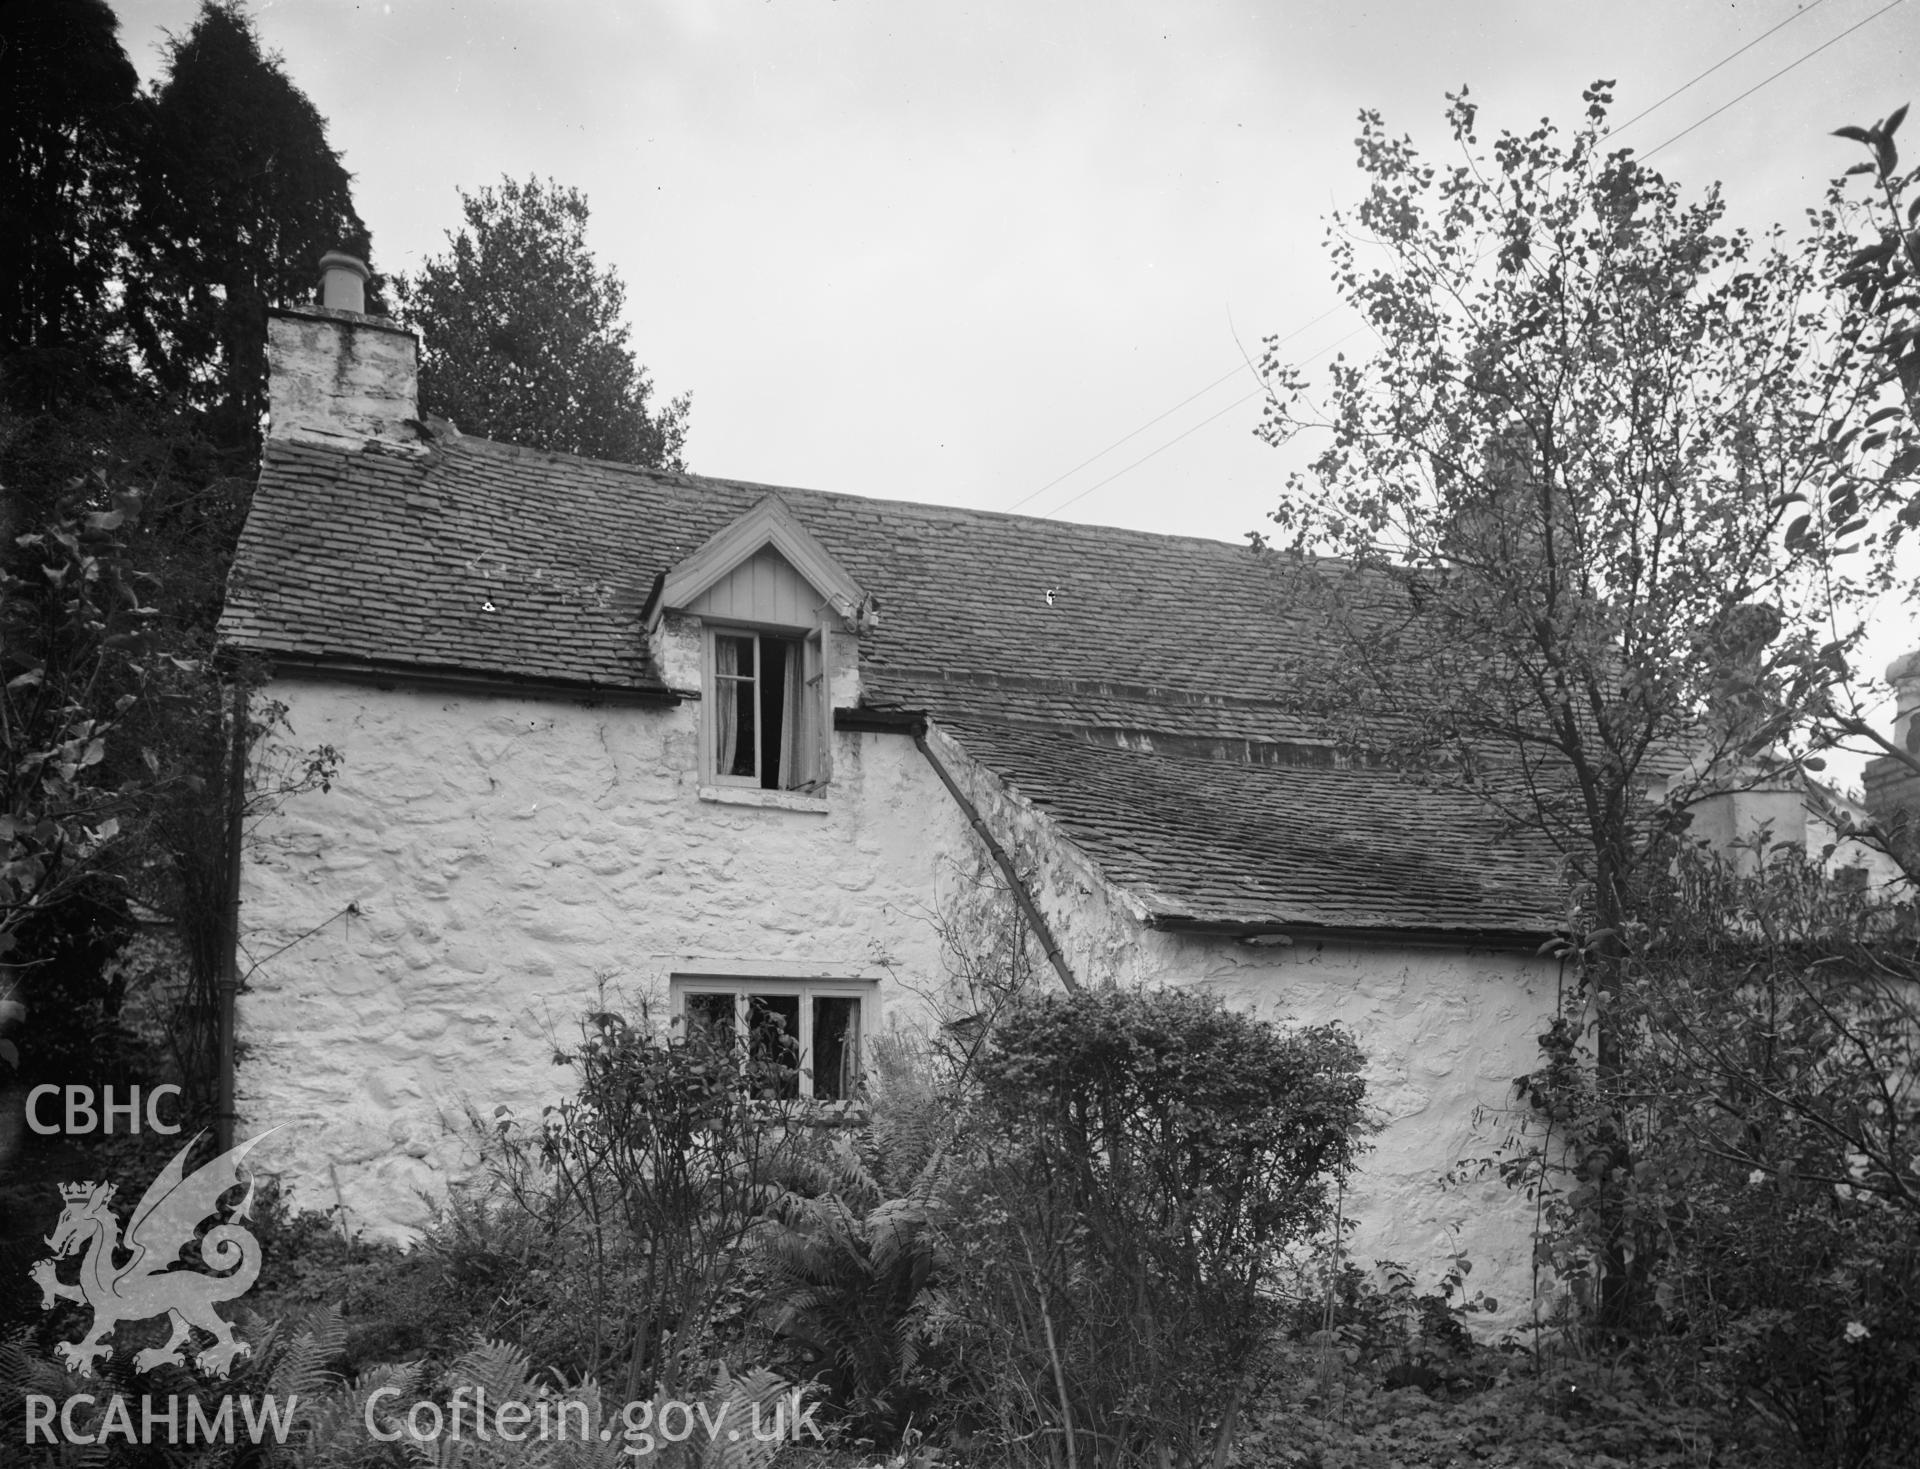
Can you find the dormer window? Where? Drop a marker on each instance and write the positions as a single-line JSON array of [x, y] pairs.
[[768, 602], [768, 710]]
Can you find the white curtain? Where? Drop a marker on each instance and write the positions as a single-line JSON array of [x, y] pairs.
[[850, 1055], [792, 701], [726, 701]]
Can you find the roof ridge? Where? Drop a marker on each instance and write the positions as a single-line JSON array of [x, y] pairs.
[[687, 479], [1175, 743], [1107, 688]]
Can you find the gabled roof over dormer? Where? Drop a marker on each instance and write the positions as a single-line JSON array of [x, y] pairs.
[[764, 566]]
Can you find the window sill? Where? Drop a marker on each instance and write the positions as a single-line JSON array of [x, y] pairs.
[[754, 796], [807, 1112]]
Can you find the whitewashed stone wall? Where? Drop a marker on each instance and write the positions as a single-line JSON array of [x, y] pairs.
[[1446, 1031], [511, 861]]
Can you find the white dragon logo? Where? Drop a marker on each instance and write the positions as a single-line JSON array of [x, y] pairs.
[[162, 1225]]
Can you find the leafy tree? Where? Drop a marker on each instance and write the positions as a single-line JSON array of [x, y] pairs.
[[1883, 279], [116, 793], [524, 338], [239, 196], [74, 630], [1579, 498], [660, 1167], [1872, 251]]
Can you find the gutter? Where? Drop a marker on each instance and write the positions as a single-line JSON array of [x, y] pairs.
[[442, 678], [1000, 858], [1527, 941], [880, 721]]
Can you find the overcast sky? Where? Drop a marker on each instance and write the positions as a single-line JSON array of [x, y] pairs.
[[953, 251]]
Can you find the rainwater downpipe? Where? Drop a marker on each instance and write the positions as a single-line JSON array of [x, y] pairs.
[[1005, 863], [229, 989]]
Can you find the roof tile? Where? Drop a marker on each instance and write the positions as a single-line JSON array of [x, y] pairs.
[[1132, 684]]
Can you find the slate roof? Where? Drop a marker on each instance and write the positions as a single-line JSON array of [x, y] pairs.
[[1138, 705]]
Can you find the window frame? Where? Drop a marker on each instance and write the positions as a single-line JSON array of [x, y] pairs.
[[807, 732], [864, 992]]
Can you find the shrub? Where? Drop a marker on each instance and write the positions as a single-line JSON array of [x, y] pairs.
[[1381, 1323], [1139, 1160], [1782, 1048], [646, 1186], [1770, 1193]]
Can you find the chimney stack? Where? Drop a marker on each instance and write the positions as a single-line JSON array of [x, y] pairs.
[[1904, 674], [337, 376], [1892, 785]]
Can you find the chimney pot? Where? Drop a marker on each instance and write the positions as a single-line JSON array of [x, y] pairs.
[[343, 281]]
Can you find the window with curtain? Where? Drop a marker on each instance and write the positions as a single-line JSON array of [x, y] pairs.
[[768, 710], [815, 1026]]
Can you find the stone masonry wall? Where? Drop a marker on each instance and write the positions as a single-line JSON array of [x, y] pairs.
[[511, 861], [1445, 1030]]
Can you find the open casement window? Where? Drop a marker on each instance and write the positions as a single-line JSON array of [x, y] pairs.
[[770, 599], [770, 711], [814, 1027]]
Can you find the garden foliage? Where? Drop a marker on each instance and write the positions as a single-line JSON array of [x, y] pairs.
[[855, 1254], [651, 1179], [1139, 1162], [1589, 509], [1772, 1214]]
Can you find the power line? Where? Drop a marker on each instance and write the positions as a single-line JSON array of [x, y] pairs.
[[1734, 56], [1775, 77], [1235, 371], [1232, 372], [1244, 398], [1152, 452]]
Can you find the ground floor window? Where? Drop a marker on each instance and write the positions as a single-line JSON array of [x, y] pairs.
[[814, 1026]]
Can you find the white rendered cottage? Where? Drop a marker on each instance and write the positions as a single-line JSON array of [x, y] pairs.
[[656, 735]]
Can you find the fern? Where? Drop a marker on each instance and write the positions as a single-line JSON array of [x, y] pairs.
[[499, 1369], [496, 1373], [841, 1173], [329, 1414], [299, 1370], [593, 1452], [850, 1285], [22, 1371], [741, 1401], [336, 1435], [914, 1119]]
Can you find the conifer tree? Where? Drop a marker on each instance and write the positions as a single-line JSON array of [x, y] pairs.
[[239, 196]]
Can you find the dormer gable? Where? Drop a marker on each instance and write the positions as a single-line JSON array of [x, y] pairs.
[[764, 568], [761, 624]]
